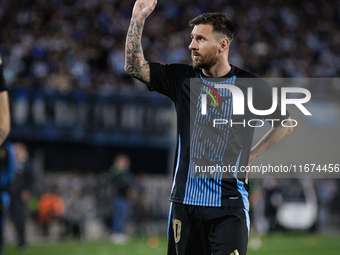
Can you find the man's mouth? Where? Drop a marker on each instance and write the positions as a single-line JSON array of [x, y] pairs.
[[196, 55]]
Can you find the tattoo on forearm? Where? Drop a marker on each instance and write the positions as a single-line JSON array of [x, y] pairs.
[[2, 136], [135, 61]]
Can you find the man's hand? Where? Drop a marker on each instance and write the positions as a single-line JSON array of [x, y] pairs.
[[143, 9]]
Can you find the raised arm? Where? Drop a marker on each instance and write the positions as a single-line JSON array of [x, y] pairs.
[[135, 63]]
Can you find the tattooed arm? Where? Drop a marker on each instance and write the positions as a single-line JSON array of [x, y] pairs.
[[5, 124], [135, 63]]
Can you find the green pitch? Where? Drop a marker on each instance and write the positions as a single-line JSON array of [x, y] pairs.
[[277, 244]]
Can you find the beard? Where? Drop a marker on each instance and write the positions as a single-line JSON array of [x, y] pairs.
[[205, 62]]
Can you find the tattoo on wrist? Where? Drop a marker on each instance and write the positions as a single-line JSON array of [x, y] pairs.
[[134, 52]]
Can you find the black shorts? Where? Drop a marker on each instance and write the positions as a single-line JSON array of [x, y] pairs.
[[199, 230]]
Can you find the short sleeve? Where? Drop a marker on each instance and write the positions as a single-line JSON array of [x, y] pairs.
[[166, 79]]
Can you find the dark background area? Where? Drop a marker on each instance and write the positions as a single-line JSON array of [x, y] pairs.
[[94, 158]]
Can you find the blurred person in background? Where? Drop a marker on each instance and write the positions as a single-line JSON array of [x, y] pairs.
[[326, 192], [50, 207], [122, 180], [335, 205], [255, 214], [75, 213], [21, 191], [7, 166], [103, 197], [273, 200], [6, 157], [5, 120], [5, 170]]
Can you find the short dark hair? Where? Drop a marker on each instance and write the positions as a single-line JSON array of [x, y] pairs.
[[219, 21]]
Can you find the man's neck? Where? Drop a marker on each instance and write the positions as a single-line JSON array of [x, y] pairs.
[[218, 70]]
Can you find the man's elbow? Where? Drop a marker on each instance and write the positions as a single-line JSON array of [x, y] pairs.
[[289, 127], [127, 68], [289, 130]]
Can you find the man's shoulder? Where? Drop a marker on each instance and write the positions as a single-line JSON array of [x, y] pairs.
[[241, 73], [173, 67], [172, 74], [184, 66], [249, 79], [189, 70]]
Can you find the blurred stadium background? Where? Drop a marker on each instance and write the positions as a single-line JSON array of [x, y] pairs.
[[75, 108]]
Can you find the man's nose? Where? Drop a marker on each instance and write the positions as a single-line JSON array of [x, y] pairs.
[[193, 45]]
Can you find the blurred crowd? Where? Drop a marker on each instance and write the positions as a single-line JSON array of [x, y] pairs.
[[79, 44]]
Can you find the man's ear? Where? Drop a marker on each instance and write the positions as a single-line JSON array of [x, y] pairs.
[[224, 45]]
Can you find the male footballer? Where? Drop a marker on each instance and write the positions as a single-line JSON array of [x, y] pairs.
[[208, 214], [4, 131]]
